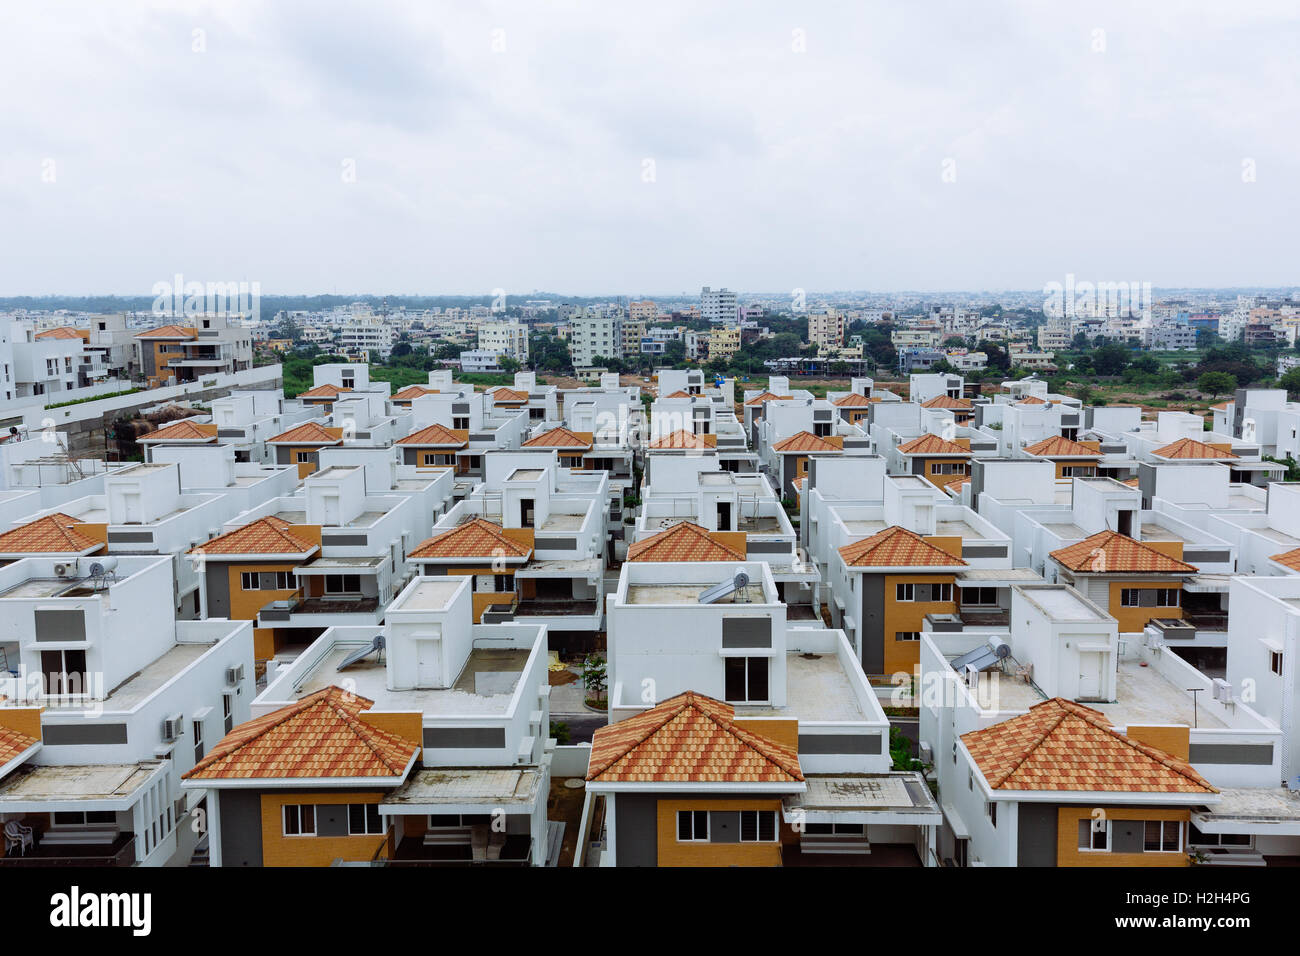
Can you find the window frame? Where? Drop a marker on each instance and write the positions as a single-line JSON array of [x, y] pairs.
[[694, 817], [297, 815]]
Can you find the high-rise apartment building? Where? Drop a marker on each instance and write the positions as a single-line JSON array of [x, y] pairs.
[[718, 305]]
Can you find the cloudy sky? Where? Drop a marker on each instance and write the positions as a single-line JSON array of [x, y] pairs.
[[619, 148]]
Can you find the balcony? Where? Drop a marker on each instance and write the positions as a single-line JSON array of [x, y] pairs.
[[119, 852]]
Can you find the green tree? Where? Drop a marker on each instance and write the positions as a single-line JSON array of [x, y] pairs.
[[1110, 359], [1216, 383]]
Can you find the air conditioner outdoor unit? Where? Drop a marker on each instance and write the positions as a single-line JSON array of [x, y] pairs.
[[65, 570], [235, 675], [171, 728], [1222, 690]]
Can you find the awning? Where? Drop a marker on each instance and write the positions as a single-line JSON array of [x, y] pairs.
[[465, 791], [1207, 583], [1270, 811], [900, 798]]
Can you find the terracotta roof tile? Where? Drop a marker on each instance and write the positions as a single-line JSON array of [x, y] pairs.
[[1060, 447], [763, 397], [1289, 559], [53, 534], [559, 438], [853, 400], [932, 444], [412, 392], [320, 735], [684, 541], [63, 332], [13, 744], [943, 401], [267, 535], [683, 439], [168, 332], [1189, 449], [508, 396], [896, 547], [689, 738], [309, 433], [324, 391], [1115, 553], [1222, 406], [437, 435], [476, 538], [1031, 400], [1062, 745], [803, 442], [184, 430], [680, 393]]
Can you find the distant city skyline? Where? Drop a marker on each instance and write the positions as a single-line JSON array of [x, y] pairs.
[[440, 148]]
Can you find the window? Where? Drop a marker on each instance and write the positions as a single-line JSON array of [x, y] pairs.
[[1275, 662], [758, 826], [905, 592], [1149, 597], [227, 712], [64, 671], [1094, 839], [364, 819], [979, 597], [299, 819], [746, 679], [343, 584], [922, 593], [1163, 836], [1196, 838], [87, 818], [907, 635], [692, 826], [430, 458], [991, 811], [198, 740], [304, 458], [460, 423], [267, 581]]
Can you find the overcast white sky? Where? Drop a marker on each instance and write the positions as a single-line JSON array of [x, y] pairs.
[[526, 168]]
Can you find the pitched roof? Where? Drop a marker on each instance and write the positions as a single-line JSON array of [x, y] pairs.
[[53, 534], [762, 397], [689, 738], [269, 535], [1112, 552], [680, 393], [168, 332], [1062, 745], [932, 444], [413, 392], [558, 438], [13, 744], [64, 332], [184, 430], [683, 439], [853, 400], [1031, 400], [1059, 446], [435, 434], [308, 433], [320, 735], [324, 391], [1223, 406], [476, 538], [943, 401], [684, 541], [896, 547], [805, 441], [1289, 559], [1191, 449], [508, 396]]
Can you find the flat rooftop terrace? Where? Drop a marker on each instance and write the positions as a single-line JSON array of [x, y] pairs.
[[816, 689], [1148, 697], [485, 685], [690, 593]]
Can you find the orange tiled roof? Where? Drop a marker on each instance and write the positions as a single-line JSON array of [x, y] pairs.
[[1112, 552], [762, 397], [13, 743], [413, 392], [896, 547], [797, 483], [1062, 745], [53, 534], [932, 444], [168, 332], [476, 538], [805, 441], [1222, 406], [508, 396], [435, 434], [64, 332], [853, 400], [943, 401], [680, 393], [1060, 447], [1289, 559], [184, 430], [324, 391], [689, 738], [308, 433], [1031, 400], [684, 439], [684, 541], [1186, 449], [320, 735], [267, 535], [558, 438]]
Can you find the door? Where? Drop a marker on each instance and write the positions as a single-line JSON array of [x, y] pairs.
[[724, 515], [426, 663], [1090, 682], [526, 508]]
